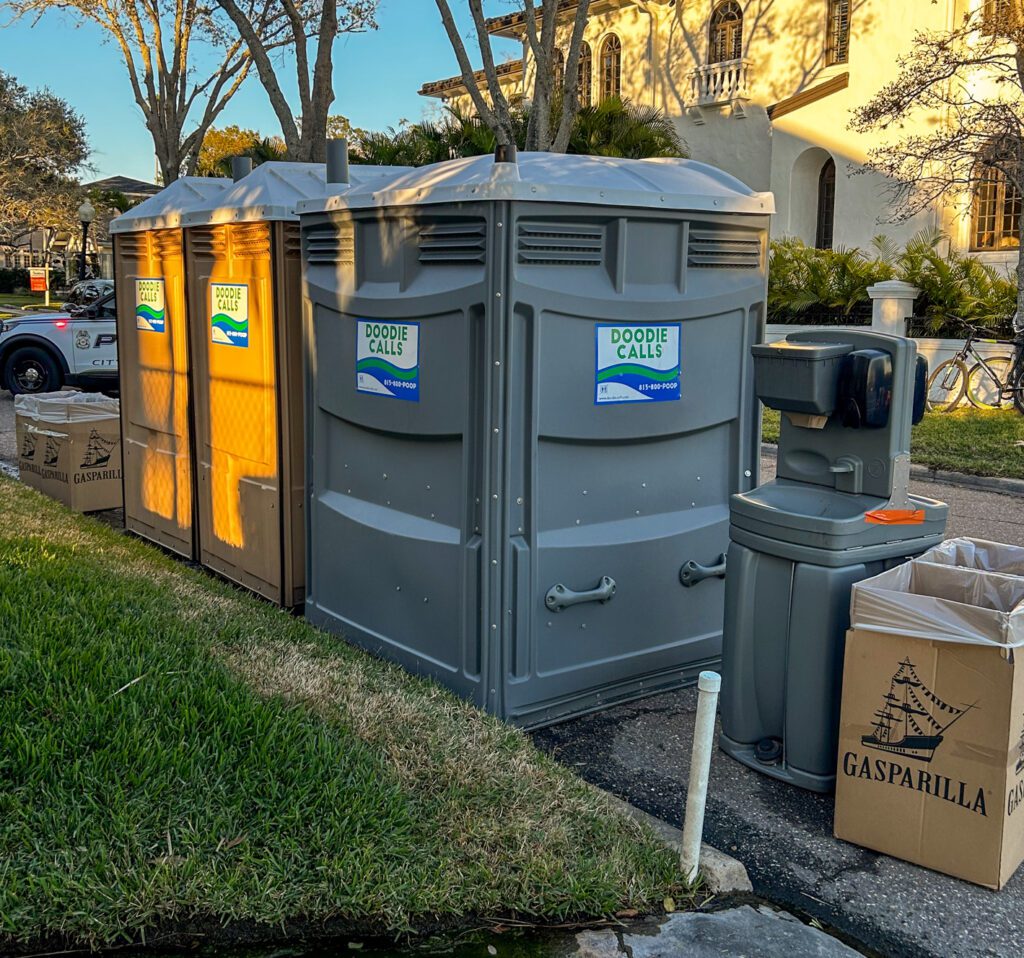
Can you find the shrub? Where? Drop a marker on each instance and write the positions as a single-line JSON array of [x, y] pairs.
[[807, 285], [12, 278]]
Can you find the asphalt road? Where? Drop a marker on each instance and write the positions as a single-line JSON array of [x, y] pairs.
[[783, 834]]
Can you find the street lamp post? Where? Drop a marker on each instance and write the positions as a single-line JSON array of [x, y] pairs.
[[86, 214]]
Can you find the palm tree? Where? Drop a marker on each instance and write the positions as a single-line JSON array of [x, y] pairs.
[[613, 127], [616, 127], [262, 151]]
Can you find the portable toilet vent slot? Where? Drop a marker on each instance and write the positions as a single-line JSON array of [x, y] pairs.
[[711, 249], [554, 244], [510, 460]]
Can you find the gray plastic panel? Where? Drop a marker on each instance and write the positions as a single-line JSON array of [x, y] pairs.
[[798, 377], [785, 633], [395, 538]]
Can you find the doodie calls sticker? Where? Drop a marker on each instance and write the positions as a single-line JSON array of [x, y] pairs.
[[388, 359], [637, 363]]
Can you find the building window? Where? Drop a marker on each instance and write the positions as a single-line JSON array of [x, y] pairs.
[[611, 67], [826, 205], [557, 71], [837, 47], [995, 222], [726, 33], [1000, 15], [583, 81]]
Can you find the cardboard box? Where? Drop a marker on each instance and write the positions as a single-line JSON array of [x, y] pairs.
[[69, 447], [931, 738]]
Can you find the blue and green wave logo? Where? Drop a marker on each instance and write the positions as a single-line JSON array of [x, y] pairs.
[[624, 370], [149, 319], [229, 331], [641, 382], [398, 382], [375, 363]]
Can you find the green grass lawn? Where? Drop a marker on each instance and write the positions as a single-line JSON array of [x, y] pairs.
[[29, 300], [175, 751], [980, 443]]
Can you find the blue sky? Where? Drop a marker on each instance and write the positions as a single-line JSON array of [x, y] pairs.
[[376, 78]]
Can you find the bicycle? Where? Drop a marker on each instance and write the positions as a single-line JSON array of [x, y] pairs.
[[987, 383]]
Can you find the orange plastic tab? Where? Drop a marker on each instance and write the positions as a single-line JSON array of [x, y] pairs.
[[896, 517]]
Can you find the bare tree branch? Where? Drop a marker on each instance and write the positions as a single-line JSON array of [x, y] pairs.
[[542, 43], [966, 87], [157, 41]]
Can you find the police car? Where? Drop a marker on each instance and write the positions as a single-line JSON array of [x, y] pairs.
[[42, 352]]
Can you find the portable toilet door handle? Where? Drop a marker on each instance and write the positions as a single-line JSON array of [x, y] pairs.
[[693, 572], [561, 596]]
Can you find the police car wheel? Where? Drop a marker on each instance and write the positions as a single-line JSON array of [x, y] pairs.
[[32, 370]]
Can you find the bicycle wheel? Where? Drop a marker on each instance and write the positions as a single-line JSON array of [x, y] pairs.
[[947, 385], [984, 392], [1018, 387]]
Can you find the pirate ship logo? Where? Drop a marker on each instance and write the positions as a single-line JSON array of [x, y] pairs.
[[911, 724], [82, 339], [52, 452], [28, 445], [98, 451], [905, 725]]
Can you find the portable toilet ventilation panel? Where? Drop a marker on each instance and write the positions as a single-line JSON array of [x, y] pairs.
[[530, 398]]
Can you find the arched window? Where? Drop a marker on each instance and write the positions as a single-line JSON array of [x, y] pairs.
[[826, 205], [997, 208], [837, 49], [586, 69], [726, 32], [611, 67]]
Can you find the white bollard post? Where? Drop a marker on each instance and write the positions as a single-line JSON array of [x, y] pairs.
[[708, 686], [892, 304]]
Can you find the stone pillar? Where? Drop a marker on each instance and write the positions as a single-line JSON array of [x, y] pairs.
[[892, 304]]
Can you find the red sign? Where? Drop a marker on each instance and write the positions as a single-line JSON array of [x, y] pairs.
[[37, 280]]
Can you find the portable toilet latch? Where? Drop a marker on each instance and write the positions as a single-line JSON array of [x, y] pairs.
[[692, 573], [561, 596]]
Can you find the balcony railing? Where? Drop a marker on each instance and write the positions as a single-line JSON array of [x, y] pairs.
[[718, 84]]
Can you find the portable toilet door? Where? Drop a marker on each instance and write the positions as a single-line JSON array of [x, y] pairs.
[[245, 295], [502, 498], [153, 363]]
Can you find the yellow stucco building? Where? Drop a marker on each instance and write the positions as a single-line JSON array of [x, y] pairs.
[[764, 90]]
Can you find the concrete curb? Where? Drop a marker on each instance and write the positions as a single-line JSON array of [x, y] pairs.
[[1004, 487], [722, 873]]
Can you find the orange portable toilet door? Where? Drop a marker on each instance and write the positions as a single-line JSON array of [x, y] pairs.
[[153, 368], [235, 385]]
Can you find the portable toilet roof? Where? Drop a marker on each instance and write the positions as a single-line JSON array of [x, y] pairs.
[[165, 209], [273, 190], [662, 183]]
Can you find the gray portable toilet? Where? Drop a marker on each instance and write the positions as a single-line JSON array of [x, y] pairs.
[[530, 398]]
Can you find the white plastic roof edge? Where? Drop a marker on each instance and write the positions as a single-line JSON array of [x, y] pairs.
[[164, 210], [472, 180], [272, 191]]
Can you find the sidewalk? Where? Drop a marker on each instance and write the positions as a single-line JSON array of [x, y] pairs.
[[783, 835]]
